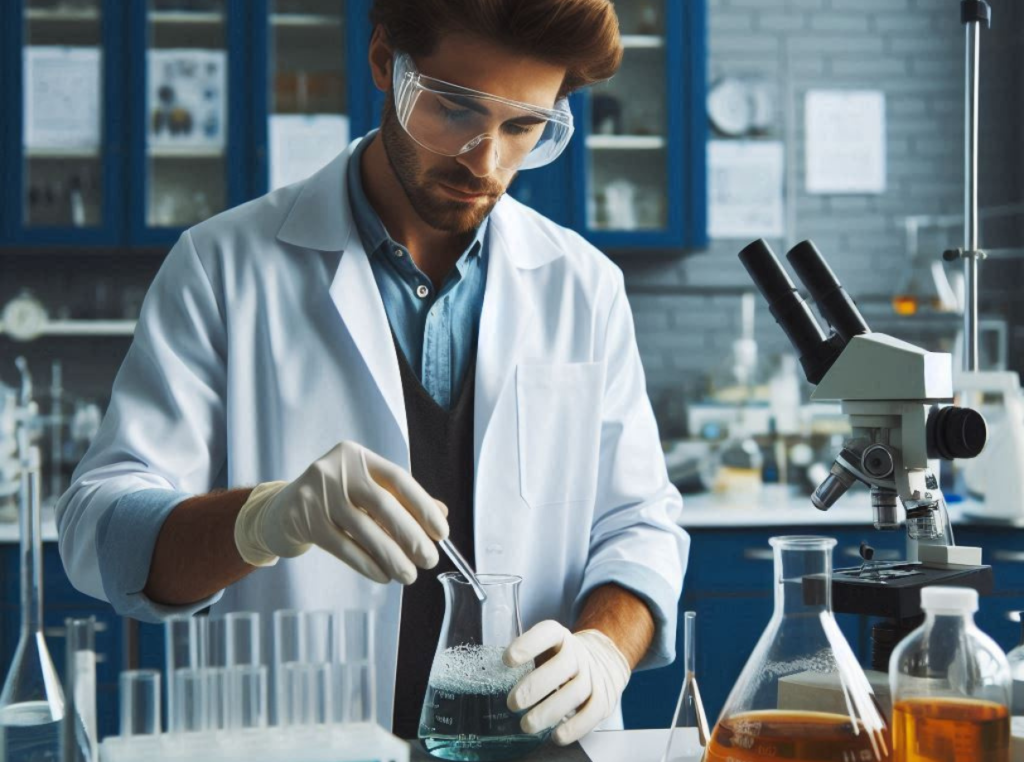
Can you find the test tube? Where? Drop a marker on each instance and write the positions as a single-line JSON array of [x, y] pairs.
[[140, 702], [248, 706], [79, 726], [190, 701], [289, 648], [218, 698], [308, 693], [242, 635], [185, 648], [319, 637], [358, 701]]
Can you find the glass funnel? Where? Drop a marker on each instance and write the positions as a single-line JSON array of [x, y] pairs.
[[465, 715], [32, 702], [802, 695], [690, 732]]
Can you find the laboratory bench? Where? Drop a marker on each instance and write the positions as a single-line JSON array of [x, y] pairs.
[[728, 584]]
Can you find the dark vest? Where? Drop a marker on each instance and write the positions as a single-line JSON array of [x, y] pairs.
[[441, 449]]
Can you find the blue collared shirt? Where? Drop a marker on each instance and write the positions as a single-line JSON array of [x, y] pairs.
[[435, 329]]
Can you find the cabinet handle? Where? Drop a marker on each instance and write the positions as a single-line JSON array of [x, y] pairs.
[[886, 554], [1009, 556], [759, 554]]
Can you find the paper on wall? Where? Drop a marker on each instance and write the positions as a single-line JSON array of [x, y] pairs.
[[845, 141], [187, 98], [745, 189], [62, 97], [301, 144]]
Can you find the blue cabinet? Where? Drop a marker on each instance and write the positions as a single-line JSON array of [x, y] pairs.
[[188, 93]]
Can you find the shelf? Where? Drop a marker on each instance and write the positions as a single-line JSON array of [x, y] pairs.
[[186, 17], [649, 41], [625, 142], [85, 328], [186, 152], [71, 152], [65, 15], [305, 20]]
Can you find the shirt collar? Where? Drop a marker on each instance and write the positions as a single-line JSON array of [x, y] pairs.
[[368, 223]]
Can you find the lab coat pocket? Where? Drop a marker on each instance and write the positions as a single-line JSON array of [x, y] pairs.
[[559, 422]]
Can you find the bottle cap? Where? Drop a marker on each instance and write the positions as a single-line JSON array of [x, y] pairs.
[[953, 600]]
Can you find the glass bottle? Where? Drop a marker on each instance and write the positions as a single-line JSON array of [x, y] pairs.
[[690, 731], [1016, 659], [802, 695], [32, 702], [465, 714], [950, 685]]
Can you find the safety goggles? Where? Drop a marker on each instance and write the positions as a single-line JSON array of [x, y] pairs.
[[451, 120]]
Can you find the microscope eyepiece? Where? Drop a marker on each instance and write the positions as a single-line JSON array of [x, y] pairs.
[[817, 353], [835, 305]]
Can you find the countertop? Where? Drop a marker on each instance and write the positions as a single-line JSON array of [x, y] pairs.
[[602, 746]]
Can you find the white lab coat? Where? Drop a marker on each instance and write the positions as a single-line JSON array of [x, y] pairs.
[[264, 341]]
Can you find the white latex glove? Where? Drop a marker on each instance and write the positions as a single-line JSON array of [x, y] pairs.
[[363, 509], [586, 675]]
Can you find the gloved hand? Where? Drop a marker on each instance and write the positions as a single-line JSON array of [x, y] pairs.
[[354, 504], [586, 675]]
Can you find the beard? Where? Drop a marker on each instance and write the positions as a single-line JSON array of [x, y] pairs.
[[435, 209]]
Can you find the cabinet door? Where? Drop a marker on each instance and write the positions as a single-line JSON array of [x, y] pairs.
[[62, 137], [639, 158], [301, 96], [188, 127]]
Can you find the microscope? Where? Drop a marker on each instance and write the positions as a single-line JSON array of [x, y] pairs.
[[898, 399]]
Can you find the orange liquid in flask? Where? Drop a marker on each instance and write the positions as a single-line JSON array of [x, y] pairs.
[[953, 730], [798, 736]]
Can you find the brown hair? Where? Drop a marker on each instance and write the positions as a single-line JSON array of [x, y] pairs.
[[582, 35]]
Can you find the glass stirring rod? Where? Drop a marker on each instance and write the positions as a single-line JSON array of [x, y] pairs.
[[464, 568]]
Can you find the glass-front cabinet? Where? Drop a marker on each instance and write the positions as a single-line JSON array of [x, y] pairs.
[[639, 156], [187, 139], [306, 117], [60, 182], [127, 121]]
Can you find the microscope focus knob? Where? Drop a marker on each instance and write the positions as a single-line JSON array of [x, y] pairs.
[[956, 432]]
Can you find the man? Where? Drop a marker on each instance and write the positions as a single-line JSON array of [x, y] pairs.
[[395, 351]]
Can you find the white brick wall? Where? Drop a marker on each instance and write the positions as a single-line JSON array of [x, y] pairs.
[[911, 49]]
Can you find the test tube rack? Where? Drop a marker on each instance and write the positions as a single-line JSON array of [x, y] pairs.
[[354, 742]]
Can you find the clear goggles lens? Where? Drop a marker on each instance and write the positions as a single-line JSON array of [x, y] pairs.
[[451, 120]]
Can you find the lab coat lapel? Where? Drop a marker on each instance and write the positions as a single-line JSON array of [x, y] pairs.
[[511, 305], [357, 298]]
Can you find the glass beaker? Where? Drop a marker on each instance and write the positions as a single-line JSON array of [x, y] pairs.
[[802, 695], [465, 715], [32, 702], [950, 685], [1016, 660]]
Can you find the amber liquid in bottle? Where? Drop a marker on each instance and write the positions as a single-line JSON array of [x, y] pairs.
[[937, 730], [799, 736]]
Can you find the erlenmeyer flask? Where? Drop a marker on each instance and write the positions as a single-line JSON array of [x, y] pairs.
[[465, 715], [32, 702], [802, 695], [690, 731]]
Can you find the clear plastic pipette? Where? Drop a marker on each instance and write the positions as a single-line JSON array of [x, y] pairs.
[[463, 566]]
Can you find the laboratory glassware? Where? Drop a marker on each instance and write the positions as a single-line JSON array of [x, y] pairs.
[[140, 702], [32, 702], [185, 648], [356, 680], [1016, 659], [248, 708], [802, 695], [690, 732], [79, 726], [460, 563], [465, 715], [950, 685], [191, 703], [289, 648]]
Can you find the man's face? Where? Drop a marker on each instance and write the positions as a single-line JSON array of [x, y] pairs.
[[455, 194]]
